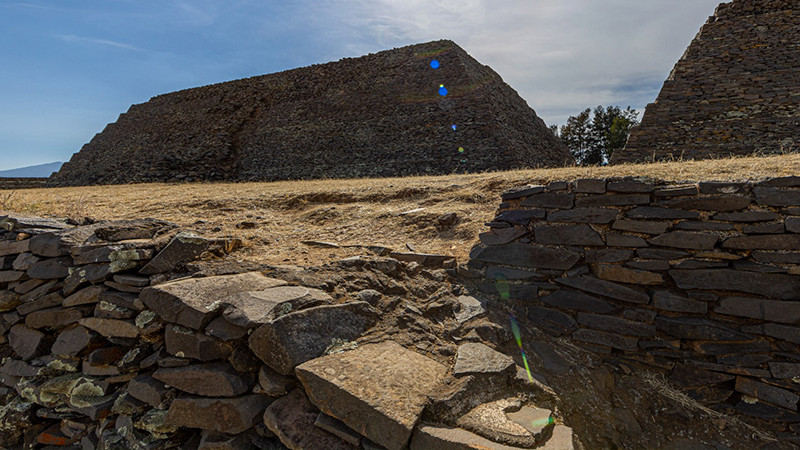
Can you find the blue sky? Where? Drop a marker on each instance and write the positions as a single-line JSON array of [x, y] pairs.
[[67, 68]]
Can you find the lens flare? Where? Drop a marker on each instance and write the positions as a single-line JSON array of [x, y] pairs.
[[518, 337], [460, 149], [442, 90], [435, 64], [453, 126]]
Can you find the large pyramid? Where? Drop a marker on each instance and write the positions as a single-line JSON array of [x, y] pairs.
[[378, 115], [735, 91]]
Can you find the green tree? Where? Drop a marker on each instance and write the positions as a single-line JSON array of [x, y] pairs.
[[592, 136]]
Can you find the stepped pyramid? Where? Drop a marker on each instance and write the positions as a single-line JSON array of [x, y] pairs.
[[735, 91], [374, 116]]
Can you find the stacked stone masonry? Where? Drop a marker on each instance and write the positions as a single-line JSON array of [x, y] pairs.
[[373, 116], [22, 183], [733, 92], [699, 281], [109, 341]]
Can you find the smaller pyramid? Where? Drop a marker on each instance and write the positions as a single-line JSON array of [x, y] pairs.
[[735, 91], [422, 109]]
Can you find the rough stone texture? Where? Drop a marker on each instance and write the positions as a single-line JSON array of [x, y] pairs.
[[193, 302], [297, 337], [441, 437], [731, 91], [208, 380], [771, 285], [475, 358], [185, 246], [382, 395], [757, 308], [685, 239], [228, 415], [606, 288], [568, 235], [585, 215], [325, 120], [292, 418], [185, 343], [526, 255]]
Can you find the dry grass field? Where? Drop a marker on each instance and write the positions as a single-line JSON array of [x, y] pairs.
[[400, 213]]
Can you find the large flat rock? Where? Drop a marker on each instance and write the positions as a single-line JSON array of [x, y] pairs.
[[226, 415], [292, 419], [208, 380], [194, 302], [379, 390], [298, 337]]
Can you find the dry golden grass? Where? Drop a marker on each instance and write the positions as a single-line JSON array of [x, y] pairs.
[[358, 211]]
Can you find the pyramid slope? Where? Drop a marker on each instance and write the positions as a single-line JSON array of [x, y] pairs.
[[734, 91], [373, 116]]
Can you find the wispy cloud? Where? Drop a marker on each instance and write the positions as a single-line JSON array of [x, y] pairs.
[[88, 40]]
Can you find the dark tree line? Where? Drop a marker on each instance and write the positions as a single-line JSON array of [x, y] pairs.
[[592, 136]]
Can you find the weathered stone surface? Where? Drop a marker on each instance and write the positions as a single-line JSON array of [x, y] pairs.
[[441, 437], [297, 337], [719, 203], [789, 181], [212, 440], [47, 301], [649, 265], [767, 242], [640, 226], [671, 302], [624, 240], [613, 200], [630, 186], [24, 261], [757, 308], [685, 239], [476, 358], [185, 246], [338, 428], [502, 235], [8, 247], [584, 215], [226, 415], [776, 197], [85, 296], [551, 318], [252, 308], [129, 251], [676, 190], [221, 328], [605, 288], [526, 255], [590, 185], [608, 255], [122, 230], [25, 342], [693, 225], [787, 333], [58, 243], [9, 276], [564, 298], [612, 340], [193, 302], [53, 317], [567, 235], [615, 272], [783, 370], [521, 192], [658, 212], [185, 343], [768, 393], [207, 380], [490, 420], [549, 200], [792, 224], [616, 324], [9, 300], [382, 394], [660, 253], [720, 187], [520, 216], [776, 257], [698, 329], [747, 216], [111, 327], [274, 384], [423, 259], [776, 286], [292, 419], [147, 389]]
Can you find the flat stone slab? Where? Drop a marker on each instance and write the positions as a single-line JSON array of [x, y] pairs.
[[440, 437], [226, 415], [490, 420], [297, 337], [476, 358], [208, 380], [253, 308], [185, 246], [59, 243], [527, 255], [194, 302], [777, 286], [379, 390], [292, 418], [758, 308], [185, 343], [605, 288], [568, 235], [111, 327]]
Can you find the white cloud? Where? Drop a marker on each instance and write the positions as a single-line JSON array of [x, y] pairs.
[[73, 38]]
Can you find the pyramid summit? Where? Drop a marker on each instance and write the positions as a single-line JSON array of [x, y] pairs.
[[733, 92], [423, 109]]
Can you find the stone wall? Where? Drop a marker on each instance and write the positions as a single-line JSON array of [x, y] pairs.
[[111, 338], [733, 92], [374, 116], [22, 183], [699, 281]]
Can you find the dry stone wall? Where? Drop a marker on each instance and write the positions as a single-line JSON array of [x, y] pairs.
[[700, 281], [110, 340], [374, 116], [22, 183], [734, 91]]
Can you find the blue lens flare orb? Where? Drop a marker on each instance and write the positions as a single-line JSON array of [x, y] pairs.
[[435, 64], [453, 127], [442, 90]]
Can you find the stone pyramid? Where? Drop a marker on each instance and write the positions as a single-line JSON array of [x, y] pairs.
[[735, 91], [378, 115]]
